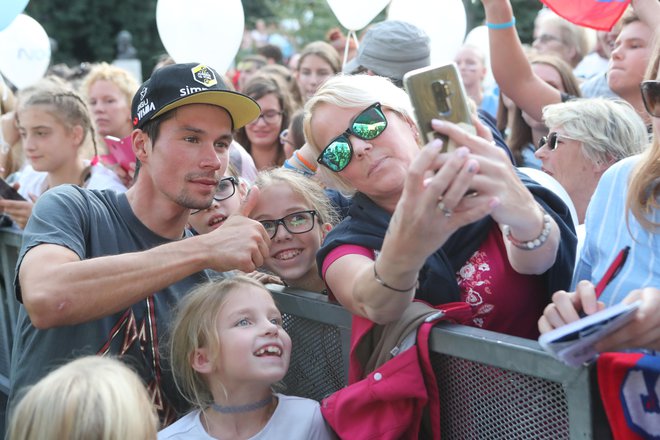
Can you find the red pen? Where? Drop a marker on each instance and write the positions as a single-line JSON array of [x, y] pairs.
[[612, 271]]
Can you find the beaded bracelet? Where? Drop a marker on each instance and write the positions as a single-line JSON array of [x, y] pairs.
[[506, 25], [384, 284], [535, 243]]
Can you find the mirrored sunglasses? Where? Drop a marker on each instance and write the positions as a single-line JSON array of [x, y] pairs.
[[651, 97], [367, 125], [296, 223]]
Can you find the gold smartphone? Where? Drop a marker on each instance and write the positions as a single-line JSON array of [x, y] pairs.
[[438, 93]]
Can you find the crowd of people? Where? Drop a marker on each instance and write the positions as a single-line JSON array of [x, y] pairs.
[[316, 177]]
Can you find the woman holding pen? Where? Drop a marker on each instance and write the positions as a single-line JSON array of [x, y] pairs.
[[624, 211]]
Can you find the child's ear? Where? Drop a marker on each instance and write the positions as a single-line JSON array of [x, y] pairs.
[[242, 188], [200, 361], [325, 228], [78, 135]]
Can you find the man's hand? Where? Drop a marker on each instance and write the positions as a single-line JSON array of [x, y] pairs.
[[241, 243]]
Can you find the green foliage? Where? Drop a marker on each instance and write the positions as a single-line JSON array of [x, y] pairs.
[[85, 30]]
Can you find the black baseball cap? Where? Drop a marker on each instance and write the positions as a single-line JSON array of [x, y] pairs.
[[180, 84]]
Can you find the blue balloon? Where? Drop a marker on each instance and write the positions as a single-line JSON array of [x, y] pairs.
[[9, 10]]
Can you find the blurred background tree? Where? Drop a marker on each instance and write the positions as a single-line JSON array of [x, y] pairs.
[[86, 30]]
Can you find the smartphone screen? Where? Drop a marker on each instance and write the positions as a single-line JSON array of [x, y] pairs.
[[8, 192]]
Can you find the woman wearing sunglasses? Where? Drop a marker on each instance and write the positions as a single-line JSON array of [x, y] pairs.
[[624, 211], [586, 137], [424, 224]]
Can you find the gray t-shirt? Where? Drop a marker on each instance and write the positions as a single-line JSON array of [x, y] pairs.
[[98, 223]]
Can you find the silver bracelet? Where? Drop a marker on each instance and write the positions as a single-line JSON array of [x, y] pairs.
[[534, 243], [384, 284]]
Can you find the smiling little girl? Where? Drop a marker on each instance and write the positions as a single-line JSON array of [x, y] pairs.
[[227, 350], [297, 214]]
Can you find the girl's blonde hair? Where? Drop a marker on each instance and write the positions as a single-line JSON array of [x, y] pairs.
[[644, 188], [92, 397], [195, 327], [311, 191], [124, 81], [354, 92], [62, 103]]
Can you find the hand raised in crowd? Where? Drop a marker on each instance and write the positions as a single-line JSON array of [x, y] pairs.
[[496, 181], [241, 243], [496, 185], [431, 207], [643, 331]]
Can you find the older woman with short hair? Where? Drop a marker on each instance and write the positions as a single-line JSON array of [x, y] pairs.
[[427, 224], [586, 137]]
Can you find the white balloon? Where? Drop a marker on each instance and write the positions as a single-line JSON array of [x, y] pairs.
[[24, 51], [208, 31], [443, 21], [478, 37], [356, 14]]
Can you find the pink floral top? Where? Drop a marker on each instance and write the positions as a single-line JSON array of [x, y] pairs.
[[502, 299]]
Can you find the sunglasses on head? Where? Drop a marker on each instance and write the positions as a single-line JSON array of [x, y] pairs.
[[651, 97], [551, 140], [367, 125]]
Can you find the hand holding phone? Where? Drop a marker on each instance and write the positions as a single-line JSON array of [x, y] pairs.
[[8, 192], [121, 150], [438, 93]]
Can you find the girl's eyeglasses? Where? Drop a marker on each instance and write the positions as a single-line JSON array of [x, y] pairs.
[[367, 125], [269, 116], [296, 223], [651, 97], [551, 140], [226, 188]]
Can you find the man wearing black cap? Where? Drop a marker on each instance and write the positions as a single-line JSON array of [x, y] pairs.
[[99, 272]]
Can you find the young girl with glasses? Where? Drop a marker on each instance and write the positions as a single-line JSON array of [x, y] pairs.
[[57, 135], [297, 215], [227, 201], [427, 224], [227, 350]]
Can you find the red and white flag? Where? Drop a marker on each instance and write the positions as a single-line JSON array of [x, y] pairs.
[[601, 15]]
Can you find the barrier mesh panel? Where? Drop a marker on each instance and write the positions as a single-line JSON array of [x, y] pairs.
[[316, 368], [478, 401]]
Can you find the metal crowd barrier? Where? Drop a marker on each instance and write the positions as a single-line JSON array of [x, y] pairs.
[[492, 386]]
